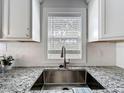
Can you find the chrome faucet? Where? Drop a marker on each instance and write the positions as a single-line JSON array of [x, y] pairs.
[[63, 55]]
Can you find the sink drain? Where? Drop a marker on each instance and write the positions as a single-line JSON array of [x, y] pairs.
[[65, 89]]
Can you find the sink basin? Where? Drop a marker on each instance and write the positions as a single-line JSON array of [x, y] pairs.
[[64, 79]]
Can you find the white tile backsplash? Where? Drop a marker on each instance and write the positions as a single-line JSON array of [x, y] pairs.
[[3, 49], [120, 54], [34, 54]]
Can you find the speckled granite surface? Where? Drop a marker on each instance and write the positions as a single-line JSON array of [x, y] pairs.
[[20, 80]]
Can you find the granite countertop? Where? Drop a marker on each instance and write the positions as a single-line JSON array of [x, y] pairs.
[[20, 80]]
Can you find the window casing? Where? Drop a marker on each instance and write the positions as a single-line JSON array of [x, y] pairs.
[[65, 29]]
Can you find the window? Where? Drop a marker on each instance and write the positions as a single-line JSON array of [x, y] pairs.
[[64, 29]]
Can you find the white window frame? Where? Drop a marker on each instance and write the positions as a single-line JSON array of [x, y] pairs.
[[46, 12]]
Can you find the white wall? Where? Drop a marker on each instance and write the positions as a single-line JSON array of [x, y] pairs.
[[0, 18], [120, 54], [64, 3], [34, 54]]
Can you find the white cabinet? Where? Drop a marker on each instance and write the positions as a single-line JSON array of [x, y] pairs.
[[115, 19], [18, 23], [106, 19], [21, 20], [0, 18], [96, 20]]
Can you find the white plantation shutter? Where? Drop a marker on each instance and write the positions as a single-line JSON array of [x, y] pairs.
[[65, 29]]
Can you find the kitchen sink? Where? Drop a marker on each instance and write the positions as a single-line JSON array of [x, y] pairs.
[[64, 79]]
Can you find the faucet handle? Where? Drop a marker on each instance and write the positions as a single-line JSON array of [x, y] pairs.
[[69, 60]]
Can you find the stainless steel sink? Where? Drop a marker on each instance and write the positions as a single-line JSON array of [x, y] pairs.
[[65, 79], [64, 76]]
